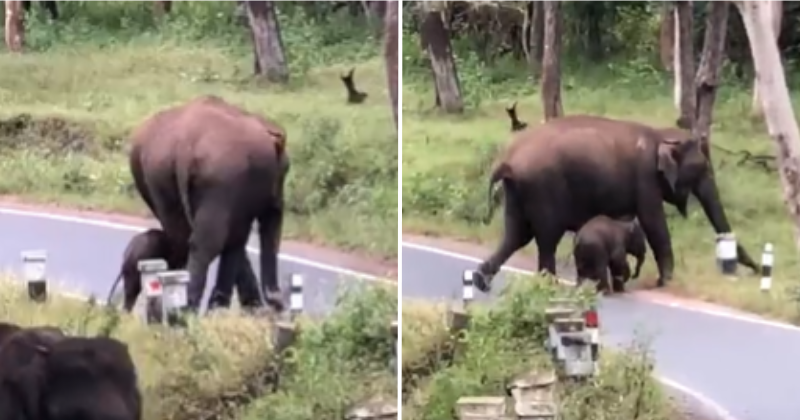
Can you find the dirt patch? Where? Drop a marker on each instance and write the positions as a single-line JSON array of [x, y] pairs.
[[386, 269], [53, 135]]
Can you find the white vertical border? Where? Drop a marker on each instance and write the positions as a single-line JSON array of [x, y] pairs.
[[399, 207]]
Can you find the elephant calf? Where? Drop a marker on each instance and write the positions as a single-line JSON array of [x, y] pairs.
[[602, 245], [150, 244]]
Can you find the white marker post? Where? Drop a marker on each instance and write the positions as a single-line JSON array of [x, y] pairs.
[[34, 267], [174, 298], [726, 254], [467, 287], [767, 261], [153, 291], [295, 296]]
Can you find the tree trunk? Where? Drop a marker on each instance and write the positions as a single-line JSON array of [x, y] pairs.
[[551, 62], [376, 15], [534, 37], [270, 59], [436, 41], [162, 7], [778, 111], [776, 19], [684, 63], [15, 26], [666, 36], [390, 53], [708, 73]]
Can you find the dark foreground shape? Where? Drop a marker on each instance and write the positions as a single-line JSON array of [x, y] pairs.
[[207, 170], [353, 95], [45, 375], [558, 175], [602, 245]]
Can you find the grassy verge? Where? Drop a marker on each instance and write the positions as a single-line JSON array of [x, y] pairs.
[[505, 341], [68, 104], [222, 367]]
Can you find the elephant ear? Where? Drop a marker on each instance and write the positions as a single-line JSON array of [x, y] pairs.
[[667, 164]]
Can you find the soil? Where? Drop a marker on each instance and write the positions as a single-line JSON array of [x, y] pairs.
[[386, 269]]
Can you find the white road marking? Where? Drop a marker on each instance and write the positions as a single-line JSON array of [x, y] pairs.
[[132, 228], [718, 410]]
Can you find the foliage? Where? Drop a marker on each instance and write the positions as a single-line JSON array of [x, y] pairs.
[[446, 160], [222, 365], [98, 71], [505, 340]]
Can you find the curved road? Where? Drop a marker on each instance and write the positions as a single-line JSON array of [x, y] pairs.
[[739, 368], [84, 257]]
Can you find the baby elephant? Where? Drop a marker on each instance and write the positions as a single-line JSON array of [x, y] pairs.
[[147, 245], [602, 245]]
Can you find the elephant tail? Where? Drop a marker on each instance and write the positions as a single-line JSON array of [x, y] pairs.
[[184, 180], [500, 172], [113, 288]]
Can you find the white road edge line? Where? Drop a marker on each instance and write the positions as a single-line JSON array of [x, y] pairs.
[[706, 311], [132, 228], [718, 410]]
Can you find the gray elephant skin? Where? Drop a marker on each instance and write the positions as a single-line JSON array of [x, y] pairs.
[[147, 245], [602, 246], [558, 175], [46, 375], [207, 170]]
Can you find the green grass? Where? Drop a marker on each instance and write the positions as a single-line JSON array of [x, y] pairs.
[[504, 341], [222, 365], [445, 161], [87, 81]]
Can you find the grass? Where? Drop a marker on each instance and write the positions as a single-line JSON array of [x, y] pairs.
[[505, 341], [446, 160], [68, 104], [222, 365]]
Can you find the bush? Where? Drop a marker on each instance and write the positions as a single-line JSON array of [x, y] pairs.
[[505, 340], [222, 365]]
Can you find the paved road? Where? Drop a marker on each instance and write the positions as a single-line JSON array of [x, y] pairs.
[[749, 369], [84, 257]]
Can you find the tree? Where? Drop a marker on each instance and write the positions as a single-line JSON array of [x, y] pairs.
[[684, 64], [776, 19], [534, 36], [15, 29], [551, 61], [666, 35], [436, 41], [270, 59], [778, 110], [390, 53], [708, 72]]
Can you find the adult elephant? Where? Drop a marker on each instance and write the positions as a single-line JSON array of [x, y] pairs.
[[207, 170], [558, 175]]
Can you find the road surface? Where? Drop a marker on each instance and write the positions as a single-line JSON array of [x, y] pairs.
[[739, 368], [84, 257]]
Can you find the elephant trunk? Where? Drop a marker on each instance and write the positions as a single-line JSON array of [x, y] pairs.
[[708, 195]]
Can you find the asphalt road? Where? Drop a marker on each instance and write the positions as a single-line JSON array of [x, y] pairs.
[[742, 370], [84, 257]]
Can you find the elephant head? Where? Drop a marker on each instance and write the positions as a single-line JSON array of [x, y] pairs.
[[150, 244], [684, 169]]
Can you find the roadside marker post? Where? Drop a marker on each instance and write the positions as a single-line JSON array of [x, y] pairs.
[[34, 267], [285, 332], [295, 296], [481, 408], [458, 319], [153, 292], [726, 254], [573, 338], [174, 299], [767, 261], [534, 395], [375, 409]]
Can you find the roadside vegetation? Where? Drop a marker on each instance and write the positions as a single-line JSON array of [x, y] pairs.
[[223, 366], [504, 341], [446, 156], [88, 78]]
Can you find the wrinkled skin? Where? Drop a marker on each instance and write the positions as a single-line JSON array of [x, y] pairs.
[[602, 245], [558, 175], [48, 376], [207, 170]]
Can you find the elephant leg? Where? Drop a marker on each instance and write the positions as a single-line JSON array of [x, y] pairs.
[[547, 245], [206, 242], [654, 224], [601, 274], [132, 290], [235, 270], [247, 287], [517, 233], [270, 226]]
